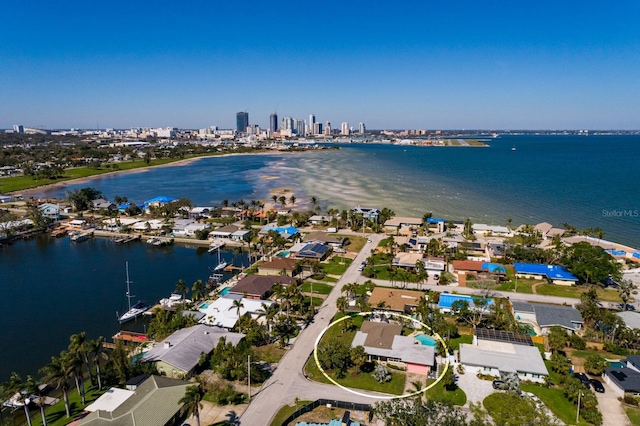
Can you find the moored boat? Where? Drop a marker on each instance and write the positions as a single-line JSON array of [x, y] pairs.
[[135, 310]]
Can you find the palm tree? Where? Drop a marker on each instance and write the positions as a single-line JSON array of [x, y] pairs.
[[33, 387], [75, 362], [274, 198], [197, 290], [191, 402], [314, 203], [269, 313], [95, 349], [237, 304], [14, 385], [79, 345], [283, 201], [181, 287], [292, 200], [58, 373], [342, 303]]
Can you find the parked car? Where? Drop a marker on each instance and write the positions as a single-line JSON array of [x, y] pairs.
[[583, 378], [597, 385], [497, 384]]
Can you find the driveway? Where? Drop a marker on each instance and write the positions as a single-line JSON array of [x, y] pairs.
[[476, 389], [612, 412]]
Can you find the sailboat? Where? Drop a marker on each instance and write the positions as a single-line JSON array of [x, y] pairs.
[[221, 263], [136, 310]]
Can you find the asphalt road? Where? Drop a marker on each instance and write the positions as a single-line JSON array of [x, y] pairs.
[[288, 381]]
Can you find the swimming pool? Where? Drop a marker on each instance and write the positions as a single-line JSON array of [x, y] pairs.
[[285, 253], [425, 340], [617, 364], [224, 291], [205, 305]]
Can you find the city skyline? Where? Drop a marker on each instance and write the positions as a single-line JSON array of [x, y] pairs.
[[495, 65]]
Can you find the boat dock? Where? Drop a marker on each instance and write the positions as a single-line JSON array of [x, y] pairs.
[[78, 236], [124, 239], [216, 244]]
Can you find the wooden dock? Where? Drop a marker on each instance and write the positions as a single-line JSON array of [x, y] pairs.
[[124, 239]]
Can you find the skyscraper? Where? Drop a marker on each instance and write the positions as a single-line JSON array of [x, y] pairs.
[[273, 122], [344, 128], [362, 129], [312, 124], [300, 127], [242, 121]]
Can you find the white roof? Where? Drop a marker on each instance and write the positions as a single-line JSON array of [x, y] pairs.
[[153, 224], [498, 229], [505, 357], [77, 222], [127, 221], [221, 312], [631, 319], [110, 400]]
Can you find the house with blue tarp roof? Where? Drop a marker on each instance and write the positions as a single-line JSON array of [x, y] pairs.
[[435, 224], [284, 231], [553, 273], [447, 300], [158, 202]]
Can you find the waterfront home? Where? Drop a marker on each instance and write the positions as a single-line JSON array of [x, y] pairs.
[[395, 299], [101, 203], [200, 212], [494, 230], [224, 314], [319, 220], [367, 212], [542, 317], [77, 223], [403, 225], [384, 343], [50, 211], [178, 355], [259, 287], [119, 223], [315, 251], [494, 351], [552, 273], [286, 232], [147, 225], [156, 402], [223, 232], [435, 225], [279, 266], [188, 227]]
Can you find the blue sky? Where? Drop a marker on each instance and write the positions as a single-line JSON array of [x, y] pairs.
[[421, 64]]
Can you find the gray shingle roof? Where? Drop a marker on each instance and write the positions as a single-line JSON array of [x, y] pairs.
[[381, 339], [154, 403], [518, 358], [550, 315], [626, 379], [183, 348]]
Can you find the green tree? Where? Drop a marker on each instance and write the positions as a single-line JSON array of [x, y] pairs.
[[342, 303], [237, 305], [560, 363], [81, 198], [591, 264], [358, 356], [415, 412], [191, 402], [626, 290], [58, 373], [181, 287], [558, 338], [595, 364], [33, 387], [197, 290], [334, 355]]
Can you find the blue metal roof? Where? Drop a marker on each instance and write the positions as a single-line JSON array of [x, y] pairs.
[[435, 220], [494, 268], [160, 199], [291, 230], [447, 300], [550, 271]]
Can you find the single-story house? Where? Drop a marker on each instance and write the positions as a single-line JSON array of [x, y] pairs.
[[434, 264], [285, 232], [631, 319], [223, 232], [324, 238], [496, 351], [383, 342], [553, 273], [435, 225], [278, 266], [403, 225], [222, 312], [406, 260], [367, 212], [316, 251], [495, 230], [188, 227], [198, 212], [144, 225], [117, 223], [241, 235], [319, 220], [101, 203], [259, 287], [479, 269], [622, 380], [78, 223], [543, 316], [178, 355], [156, 402], [395, 299], [50, 211]]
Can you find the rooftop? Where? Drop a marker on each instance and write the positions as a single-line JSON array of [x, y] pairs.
[[550, 315], [395, 299], [259, 285], [553, 272]]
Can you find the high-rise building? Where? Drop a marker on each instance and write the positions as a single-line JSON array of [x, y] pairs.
[[362, 129], [317, 128], [327, 129], [300, 127], [287, 123], [344, 128], [242, 121], [273, 122], [17, 128], [312, 124]]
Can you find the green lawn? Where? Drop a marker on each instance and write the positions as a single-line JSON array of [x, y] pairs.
[[634, 415], [585, 353], [523, 286], [355, 243], [269, 353], [554, 398], [329, 279], [438, 393], [317, 288], [576, 292], [336, 266], [286, 411], [455, 343], [56, 415], [316, 300]]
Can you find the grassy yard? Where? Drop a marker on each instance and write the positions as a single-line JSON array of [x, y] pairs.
[[634, 415], [286, 411], [56, 415], [19, 183], [355, 243], [554, 398], [438, 393], [576, 292], [524, 286], [269, 353], [329, 279], [455, 343], [585, 353], [336, 266], [318, 288]]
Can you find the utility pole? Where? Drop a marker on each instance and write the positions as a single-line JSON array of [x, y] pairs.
[[249, 376], [578, 413]]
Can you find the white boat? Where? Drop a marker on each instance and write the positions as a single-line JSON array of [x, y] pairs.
[[513, 148], [136, 310], [173, 301], [221, 263]]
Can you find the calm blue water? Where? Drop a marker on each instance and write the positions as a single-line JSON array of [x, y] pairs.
[[52, 288]]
